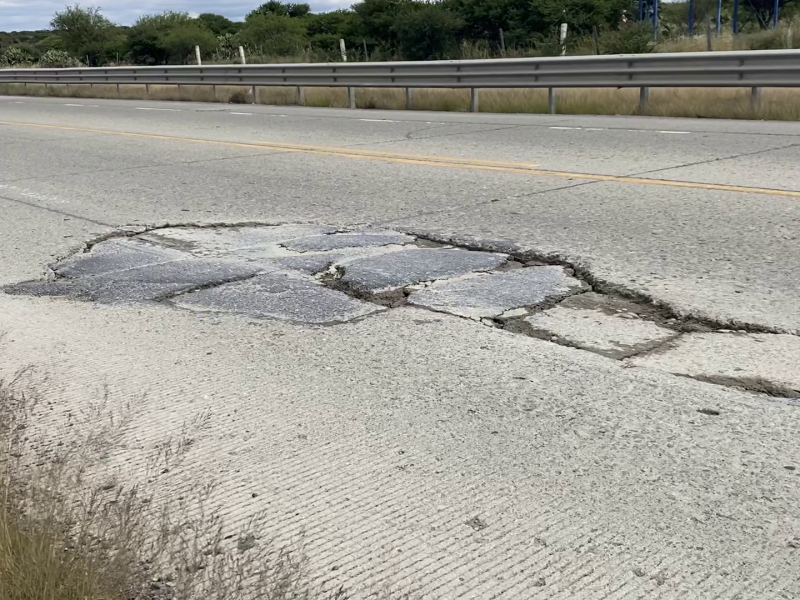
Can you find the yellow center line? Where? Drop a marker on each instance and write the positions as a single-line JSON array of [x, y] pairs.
[[426, 160]]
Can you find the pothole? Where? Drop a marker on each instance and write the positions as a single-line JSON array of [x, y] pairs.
[[326, 276]]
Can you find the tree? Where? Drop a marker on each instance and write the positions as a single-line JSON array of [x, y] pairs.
[[169, 37], [87, 33], [427, 31], [274, 34], [282, 9], [218, 24], [375, 20]]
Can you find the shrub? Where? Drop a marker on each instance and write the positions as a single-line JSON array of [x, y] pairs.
[[15, 57], [631, 39], [57, 59]]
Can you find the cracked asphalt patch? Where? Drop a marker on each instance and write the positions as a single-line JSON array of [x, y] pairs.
[[319, 275]]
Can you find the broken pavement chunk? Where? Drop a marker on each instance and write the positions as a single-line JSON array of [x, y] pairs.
[[116, 255], [492, 294], [599, 324], [219, 241], [765, 362], [338, 241], [150, 282], [398, 269], [280, 296]]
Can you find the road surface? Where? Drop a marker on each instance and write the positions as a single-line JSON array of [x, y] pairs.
[[465, 438]]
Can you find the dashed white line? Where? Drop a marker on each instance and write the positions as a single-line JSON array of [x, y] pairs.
[[564, 128], [73, 104], [378, 120], [240, 113], [595, 129], [162, 109], [676, 132]]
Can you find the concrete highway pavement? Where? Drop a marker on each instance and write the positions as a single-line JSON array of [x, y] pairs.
[[426, 451], [718, 251]]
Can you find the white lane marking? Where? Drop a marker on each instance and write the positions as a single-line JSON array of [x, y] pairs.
[[240, 113], [73, 104], [18, 103], [566, 128], [378, 120], [594, 129], [164, 109], [676, 132]]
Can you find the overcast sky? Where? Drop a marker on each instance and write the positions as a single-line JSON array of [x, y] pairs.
[[18, 15]]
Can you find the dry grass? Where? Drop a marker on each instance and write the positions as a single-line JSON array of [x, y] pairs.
[[70, 531], [734, 103]]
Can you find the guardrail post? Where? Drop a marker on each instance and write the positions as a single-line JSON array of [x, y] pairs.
[[180, 91], [755, 97], [254, 93], [409, 98], [351, 97], [644, 96], [301, 96], [473, 100], [147, 90], [551, 101]]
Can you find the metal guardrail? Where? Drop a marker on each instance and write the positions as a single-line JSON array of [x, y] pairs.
[[770, 68]]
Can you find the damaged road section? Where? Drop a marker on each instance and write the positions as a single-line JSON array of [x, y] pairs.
[[320, 275], [301, 273]]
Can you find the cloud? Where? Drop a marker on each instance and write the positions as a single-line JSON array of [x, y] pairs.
[[36, 14]]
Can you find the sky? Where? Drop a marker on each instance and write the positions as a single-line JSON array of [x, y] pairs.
[[23, 15]]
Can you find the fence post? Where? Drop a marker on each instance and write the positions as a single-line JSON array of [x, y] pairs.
[[351, 97], [473, 100], [253, 90], [343, 50], [197, 55], [709, 46], [409, 98], [551, 101], [596, 38], [563, 39], [502, 42], [755, 97], [301, 96], [644, 96]]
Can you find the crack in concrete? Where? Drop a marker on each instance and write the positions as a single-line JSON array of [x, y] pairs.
[[666, 315], [641, 306]]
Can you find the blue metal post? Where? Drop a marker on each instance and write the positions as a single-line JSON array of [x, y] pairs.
[[735, 17], [719, 16], [640, 13], [655, 15], [691, 17], [775, 15]]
